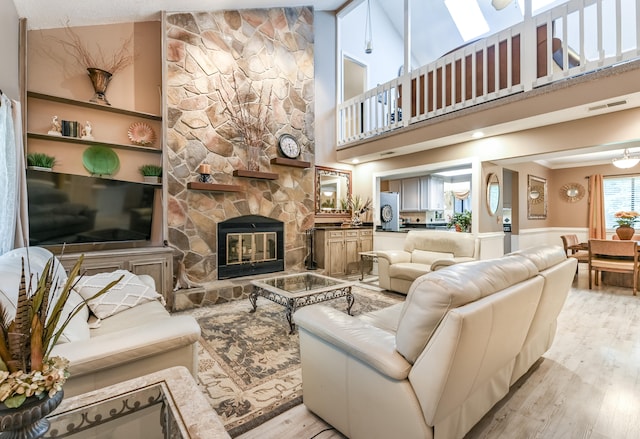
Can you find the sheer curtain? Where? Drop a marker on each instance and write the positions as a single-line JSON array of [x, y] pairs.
[[597, 229], [13, 210]]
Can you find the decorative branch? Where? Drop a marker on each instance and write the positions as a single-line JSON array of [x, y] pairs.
[[247, 111], [76, 48]]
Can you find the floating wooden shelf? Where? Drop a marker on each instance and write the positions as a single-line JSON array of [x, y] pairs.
[[214, 187], [69, 139], [87, 104], [255, 174], [290, 162]]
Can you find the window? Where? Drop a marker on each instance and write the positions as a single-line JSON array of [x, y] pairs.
[[620, 193]]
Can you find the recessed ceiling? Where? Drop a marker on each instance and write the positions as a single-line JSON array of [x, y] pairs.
[[47, 14]]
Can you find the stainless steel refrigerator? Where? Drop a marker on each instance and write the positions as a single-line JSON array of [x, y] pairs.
[[390, 211]]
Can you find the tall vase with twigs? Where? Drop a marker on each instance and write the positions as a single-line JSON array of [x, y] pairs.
[[247, 108]]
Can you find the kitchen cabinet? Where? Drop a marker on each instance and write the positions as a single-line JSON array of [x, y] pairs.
[[431, 193], [337, 250], [395, 186], [410, 195]]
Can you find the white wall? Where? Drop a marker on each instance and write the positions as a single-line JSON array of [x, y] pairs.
[[388, 44], [9, 79]]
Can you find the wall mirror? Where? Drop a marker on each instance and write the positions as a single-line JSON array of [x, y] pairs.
[[493, 193], [572, 192], [333, 188], [536, 198]]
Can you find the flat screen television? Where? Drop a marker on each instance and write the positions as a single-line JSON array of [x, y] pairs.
[[76, 209]]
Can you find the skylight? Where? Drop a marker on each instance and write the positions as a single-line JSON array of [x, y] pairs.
[[468, 18]]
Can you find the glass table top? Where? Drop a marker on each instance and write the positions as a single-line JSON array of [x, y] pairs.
[[301, 283]]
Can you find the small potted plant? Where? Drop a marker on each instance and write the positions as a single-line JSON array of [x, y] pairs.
[[40, 161], [461, 221], [151, 173]]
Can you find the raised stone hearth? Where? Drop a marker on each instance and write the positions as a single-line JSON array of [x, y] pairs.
[[270, 48]]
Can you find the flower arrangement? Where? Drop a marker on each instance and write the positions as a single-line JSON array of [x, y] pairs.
[[358, 206], [27, 338], [626, 218]]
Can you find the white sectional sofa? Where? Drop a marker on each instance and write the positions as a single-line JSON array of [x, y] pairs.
[[135, 341], [434, 365], [424, 251]]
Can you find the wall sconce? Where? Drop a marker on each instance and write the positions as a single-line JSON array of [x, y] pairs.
[[626, 161], [368, 31]]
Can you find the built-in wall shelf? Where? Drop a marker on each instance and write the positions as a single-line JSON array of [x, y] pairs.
[[87, 104], [255, 174], [69, 139], [290, 162], [214, 187]]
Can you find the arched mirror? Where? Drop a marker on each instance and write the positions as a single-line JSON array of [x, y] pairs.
[[333, 189], [493, 193]]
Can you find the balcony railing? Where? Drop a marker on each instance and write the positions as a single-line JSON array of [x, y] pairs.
[[530, 54]]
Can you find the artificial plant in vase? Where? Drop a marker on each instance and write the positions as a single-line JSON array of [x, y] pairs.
[[358, 207], [100, 66], [30, 379], [40, 161], [626, 221], [151, 173], [461, 221]]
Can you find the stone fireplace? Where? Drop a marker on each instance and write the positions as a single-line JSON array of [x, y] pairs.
[[273, 48], [250, 245]]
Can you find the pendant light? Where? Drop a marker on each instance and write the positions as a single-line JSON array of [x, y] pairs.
[[626, 161], [368, 31]]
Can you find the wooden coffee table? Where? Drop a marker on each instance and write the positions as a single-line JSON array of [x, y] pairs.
[[294, 291]]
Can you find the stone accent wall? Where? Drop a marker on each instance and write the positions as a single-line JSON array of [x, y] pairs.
[[270, 49]]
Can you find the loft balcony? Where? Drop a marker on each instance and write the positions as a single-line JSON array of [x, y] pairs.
[[542, 54]]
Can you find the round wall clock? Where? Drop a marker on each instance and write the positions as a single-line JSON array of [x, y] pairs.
[[289, 146]]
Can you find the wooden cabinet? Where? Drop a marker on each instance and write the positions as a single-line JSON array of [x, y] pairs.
[[337, 250], [156, 262]]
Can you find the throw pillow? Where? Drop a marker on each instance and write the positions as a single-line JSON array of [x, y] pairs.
[[127, 293]]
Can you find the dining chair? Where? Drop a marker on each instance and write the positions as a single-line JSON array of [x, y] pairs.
[[613, 256], [573, 249]]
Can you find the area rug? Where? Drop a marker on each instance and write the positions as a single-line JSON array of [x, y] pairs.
[[249, 364]]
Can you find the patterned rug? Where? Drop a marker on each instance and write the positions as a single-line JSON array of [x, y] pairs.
[[249, 365]]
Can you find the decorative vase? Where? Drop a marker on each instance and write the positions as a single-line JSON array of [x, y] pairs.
[[625, 232], [458, 228], [29, 420], [356, 221], [100, 80], [253, 158], [151, 179]]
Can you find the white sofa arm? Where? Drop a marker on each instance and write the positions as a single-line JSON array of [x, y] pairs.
[[119, 347], [394, 256], [441, 263], [356, 338]]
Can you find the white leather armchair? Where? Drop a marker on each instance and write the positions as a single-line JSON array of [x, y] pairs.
[[424, 251]]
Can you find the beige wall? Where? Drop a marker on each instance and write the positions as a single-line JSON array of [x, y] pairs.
[[612, 128]]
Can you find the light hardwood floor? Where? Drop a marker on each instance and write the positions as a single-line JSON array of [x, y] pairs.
[[586, 386]]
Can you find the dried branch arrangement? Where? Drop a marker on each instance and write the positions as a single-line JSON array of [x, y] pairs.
[[247, 110], [113, 63]]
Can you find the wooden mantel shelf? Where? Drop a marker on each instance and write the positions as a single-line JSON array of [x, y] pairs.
[[290, 162], [255, 174], [214, 187]]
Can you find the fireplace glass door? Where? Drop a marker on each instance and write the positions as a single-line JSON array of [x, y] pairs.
[[251, 247]]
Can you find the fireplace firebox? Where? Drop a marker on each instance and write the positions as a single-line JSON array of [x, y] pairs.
[[249, 245]]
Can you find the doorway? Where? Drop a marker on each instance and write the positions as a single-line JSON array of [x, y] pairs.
[[354, 83]]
